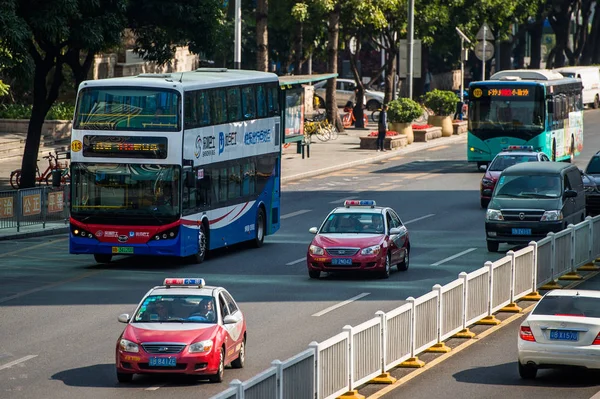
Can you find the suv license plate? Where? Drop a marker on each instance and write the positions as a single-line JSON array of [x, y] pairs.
[[521, 232]]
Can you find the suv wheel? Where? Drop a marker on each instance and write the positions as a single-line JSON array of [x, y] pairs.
[[492, 246]]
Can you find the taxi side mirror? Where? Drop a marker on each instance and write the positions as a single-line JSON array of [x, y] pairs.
[[395, 230], [313, 230], [229, 319], [124, 318]]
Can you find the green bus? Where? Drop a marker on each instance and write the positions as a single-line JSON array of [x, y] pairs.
[[539, 108]]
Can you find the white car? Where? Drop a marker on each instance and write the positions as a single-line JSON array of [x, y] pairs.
[[345, 92], [562, 330]]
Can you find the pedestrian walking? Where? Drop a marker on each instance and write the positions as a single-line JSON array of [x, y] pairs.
[[382, 128]]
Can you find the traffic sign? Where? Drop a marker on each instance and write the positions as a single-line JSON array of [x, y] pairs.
[[488, 34], [352, 45], [489, 51]]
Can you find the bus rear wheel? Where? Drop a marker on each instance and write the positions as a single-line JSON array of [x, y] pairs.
[[259, 238], [102, 258]]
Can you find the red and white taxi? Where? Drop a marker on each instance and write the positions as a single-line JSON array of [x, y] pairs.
[[182, 327], [359, 236]]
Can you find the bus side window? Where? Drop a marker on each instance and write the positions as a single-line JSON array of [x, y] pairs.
[[189, 194], [190, 110], [214, 178], [248, 182], [203, 198], [202, 108], [234, 181], [248, 102], [273, 100], [218, 108], [261, 101], [234, 106]]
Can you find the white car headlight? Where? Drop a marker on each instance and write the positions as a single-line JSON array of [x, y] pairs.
[[128, 346], [314, 250], [374, 250], [201, 347], [551, 216], [494, 214]]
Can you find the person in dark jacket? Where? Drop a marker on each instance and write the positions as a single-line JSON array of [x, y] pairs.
[[382, 128]]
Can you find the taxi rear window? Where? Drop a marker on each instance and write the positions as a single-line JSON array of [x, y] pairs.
[[568, 306]]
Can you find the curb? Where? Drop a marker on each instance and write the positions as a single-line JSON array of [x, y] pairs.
[[39, 233], [391, 154]]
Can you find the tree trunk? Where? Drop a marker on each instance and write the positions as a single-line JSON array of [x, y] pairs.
[[332, 56], [262, 36], [560, 23], [390, 74], [42, 101], [358, 110], [505, 62], [536, 44], [590, 52], [298, 51], [80, 70], [519, 50]]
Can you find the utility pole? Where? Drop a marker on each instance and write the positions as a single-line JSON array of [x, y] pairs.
[[484, 53], [410, 44], [237, 53]]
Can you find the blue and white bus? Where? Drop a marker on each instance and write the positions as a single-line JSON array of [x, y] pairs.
[[175, 164]]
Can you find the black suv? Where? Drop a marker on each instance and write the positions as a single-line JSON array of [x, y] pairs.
[[591, 181]]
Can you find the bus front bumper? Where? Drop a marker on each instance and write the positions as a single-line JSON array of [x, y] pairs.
[[90, 246]]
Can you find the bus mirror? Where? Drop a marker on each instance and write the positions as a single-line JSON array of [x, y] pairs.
[[190, 182]]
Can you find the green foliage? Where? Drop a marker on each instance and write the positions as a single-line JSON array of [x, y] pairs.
[[59, 111], [404, 110], [4, 88], [441, 102]]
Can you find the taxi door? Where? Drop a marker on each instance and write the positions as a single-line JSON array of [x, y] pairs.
[[234, 334], [397, 241]]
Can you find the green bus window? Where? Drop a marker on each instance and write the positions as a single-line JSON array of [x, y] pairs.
[[248, 102], [261, 101], [218, 105], [234, 104]]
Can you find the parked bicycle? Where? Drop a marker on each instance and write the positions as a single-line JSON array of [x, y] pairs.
[[46, 176]]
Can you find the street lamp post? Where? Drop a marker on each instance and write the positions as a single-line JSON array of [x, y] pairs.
[[237, 52], [410, 45], [463, 58]]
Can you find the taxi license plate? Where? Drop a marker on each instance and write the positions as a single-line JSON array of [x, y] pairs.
[[162, 362], [342, 261], [561, 335], [521, 232], [122, 250]]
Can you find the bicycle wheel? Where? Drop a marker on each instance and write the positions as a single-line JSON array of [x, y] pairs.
[[332, 131], [15, 179], [323, 134], [375, 115]]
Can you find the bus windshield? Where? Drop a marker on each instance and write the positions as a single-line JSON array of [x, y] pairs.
[[502, 115], [123, 108], [138, 193]]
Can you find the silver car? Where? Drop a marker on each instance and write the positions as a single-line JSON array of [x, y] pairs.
[[345, 93]]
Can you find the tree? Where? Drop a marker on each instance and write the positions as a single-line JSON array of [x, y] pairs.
[[54, 34], [262, 36]]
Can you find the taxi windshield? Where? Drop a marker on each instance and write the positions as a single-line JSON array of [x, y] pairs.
[[354, 222], [177, 309], [502, 162]]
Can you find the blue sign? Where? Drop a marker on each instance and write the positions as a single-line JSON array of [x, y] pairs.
[[226, 140], [261, 136]]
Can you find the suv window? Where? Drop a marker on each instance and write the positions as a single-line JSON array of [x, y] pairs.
[[593, 167]]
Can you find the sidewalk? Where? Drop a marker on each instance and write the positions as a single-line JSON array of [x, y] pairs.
[[325, 157]]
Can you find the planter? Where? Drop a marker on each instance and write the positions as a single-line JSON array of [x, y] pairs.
[[445, 122], [404, 128], [390, 143], [460, 127], [424, 135]]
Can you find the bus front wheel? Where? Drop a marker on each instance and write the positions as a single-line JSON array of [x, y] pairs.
[[259, 228], [202, 244]]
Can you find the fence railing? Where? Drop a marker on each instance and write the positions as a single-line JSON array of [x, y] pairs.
[[34, 206], [369, 350]]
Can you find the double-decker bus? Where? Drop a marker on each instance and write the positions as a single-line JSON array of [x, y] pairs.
[[175, 164], [539, 108]]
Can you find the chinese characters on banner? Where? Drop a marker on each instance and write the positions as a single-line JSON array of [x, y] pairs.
[[6, 207], [55, 202], [32, 204]]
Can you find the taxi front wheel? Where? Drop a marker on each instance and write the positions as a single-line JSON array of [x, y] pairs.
[[314, 273], [124, 377], [218, 377]]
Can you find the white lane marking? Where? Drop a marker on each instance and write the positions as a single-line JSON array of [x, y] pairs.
[[155, 388], [15, 362], [339, 305], [421, 218], [453, 257], [45, 287], [341, 201], [294, 262], [292, 214]]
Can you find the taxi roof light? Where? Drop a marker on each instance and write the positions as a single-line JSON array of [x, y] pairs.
[[519, 148], [349, 203], [184, 282]]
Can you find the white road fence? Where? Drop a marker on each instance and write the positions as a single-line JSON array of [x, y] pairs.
[[369, 350]]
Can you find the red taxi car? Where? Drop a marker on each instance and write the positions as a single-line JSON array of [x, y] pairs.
[[359, 236], [510, 156], [182, 327]]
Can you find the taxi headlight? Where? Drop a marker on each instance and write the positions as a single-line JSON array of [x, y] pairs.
[[201, 347], [314, 250], [551, 216], [128, 346], [494, 214], [487, 182], [374, 250]]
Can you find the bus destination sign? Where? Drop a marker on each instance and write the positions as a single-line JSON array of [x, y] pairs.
[[125, 147]]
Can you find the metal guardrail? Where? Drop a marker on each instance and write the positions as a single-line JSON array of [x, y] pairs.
[[34, 206], [358, 354]]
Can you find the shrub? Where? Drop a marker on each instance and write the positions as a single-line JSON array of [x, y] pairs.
[[441, 102], [404, 110], [59, 111]]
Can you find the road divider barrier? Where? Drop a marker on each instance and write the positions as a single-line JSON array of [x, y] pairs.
[[34, 206], [367, 352]]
